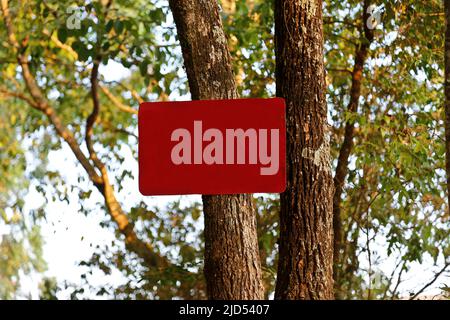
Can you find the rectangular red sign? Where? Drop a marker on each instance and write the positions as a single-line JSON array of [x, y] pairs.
[[212, 147]]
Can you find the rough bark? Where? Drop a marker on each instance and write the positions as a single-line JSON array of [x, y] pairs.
[[347, 144], [305, 267], [447, 95], [232, 264]]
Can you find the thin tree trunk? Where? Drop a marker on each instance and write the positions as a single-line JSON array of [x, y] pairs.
[[447, 95], [347, 145], [305, 267], [232, 264]]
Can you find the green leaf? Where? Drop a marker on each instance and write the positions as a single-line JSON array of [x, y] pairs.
[[109, 26], [118, 26], [81, 50], [143, 67], [62, 34]]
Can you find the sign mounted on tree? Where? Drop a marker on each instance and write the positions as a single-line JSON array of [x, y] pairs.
[[212, 147]]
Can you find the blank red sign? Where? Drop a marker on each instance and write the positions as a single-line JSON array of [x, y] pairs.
[[212, 147]]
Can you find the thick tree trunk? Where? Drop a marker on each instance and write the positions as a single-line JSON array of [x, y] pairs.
[[232, 264], [447, 95], [305, 268]]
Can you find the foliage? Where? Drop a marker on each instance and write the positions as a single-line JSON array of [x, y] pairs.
[[396, 186], [20, 254]]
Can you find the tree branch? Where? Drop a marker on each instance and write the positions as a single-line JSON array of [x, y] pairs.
[[116, 101], [436, 276], [94, 115], [18, 95], [135, 95], [340, 70], [61, 45]]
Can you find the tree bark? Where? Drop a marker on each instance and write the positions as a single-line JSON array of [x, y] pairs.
[[447, 96], [347, 144], [232, 265], [305, 267]]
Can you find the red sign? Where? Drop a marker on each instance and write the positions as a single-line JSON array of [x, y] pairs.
[[212, 147]]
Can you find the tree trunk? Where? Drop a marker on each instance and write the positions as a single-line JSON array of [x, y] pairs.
[[447, 95], [232, 264], [305, 267]]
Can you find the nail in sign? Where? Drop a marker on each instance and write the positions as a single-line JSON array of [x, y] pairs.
[[212, 147]]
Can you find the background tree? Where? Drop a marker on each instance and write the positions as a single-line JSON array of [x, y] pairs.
[[361, 53], [392, 198]]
